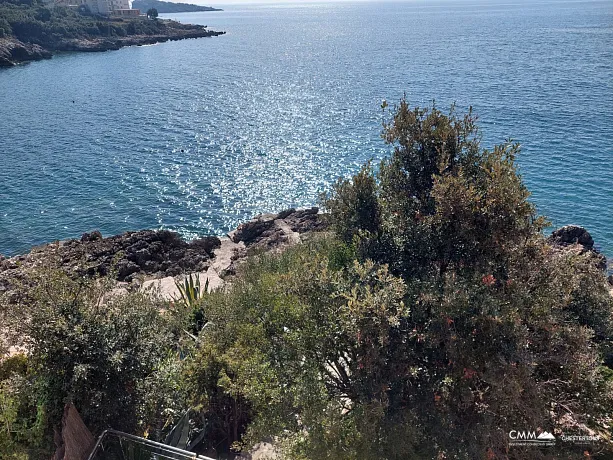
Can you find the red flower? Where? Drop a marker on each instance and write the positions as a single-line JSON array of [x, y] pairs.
[[469, 373], [488, 280]]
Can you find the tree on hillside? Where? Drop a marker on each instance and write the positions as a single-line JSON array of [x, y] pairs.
[[152, 13]]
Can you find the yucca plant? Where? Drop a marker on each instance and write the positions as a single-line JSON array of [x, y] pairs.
[[191, 292]]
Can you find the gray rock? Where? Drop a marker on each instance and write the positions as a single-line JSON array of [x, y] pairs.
[[125, 268], [149, 253], [571, 235], [13, 51], [93, 236], [207, 244], [251, 231]]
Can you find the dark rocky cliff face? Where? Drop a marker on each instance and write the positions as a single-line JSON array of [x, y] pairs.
[[13, 51]]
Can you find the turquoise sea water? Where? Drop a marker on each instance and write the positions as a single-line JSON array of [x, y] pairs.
[[199, 135]]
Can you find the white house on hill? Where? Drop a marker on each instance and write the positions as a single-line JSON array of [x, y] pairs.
[[99, 6]]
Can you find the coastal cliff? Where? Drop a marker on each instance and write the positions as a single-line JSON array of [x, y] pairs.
[[30, 32], [14, 51]]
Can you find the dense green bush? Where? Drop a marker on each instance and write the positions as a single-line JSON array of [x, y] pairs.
[[503, 330], [338, 359], [23, 422], [291, 345], [442, 317], [100, 351]]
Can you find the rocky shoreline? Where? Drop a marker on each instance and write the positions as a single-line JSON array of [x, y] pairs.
[[14, 51], [156, 257], [154, 261]]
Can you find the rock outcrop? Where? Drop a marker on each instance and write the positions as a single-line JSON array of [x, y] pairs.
[[13, 51], [271, 230], [115, 43], [155, 258], [574, 237], [572, 234]]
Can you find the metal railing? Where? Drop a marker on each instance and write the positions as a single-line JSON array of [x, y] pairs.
[[116, 445]]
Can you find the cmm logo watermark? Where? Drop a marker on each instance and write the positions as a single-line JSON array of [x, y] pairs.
[[530, 438]]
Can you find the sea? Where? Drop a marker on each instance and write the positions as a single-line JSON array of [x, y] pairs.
[[200, 135]]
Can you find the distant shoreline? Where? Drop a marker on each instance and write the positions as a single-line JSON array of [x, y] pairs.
[[14, 51], [30, 32], [170, 7]]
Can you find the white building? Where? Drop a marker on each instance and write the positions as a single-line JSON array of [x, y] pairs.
[[98, 6], [107, 6]]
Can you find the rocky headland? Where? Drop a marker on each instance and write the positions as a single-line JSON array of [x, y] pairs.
[[115, 43], [171, 7], [13, 51]]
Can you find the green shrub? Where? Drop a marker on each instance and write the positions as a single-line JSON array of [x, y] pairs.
[[502, 328], [23, 426], [91, 348], [16, 364], [289, 345]]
